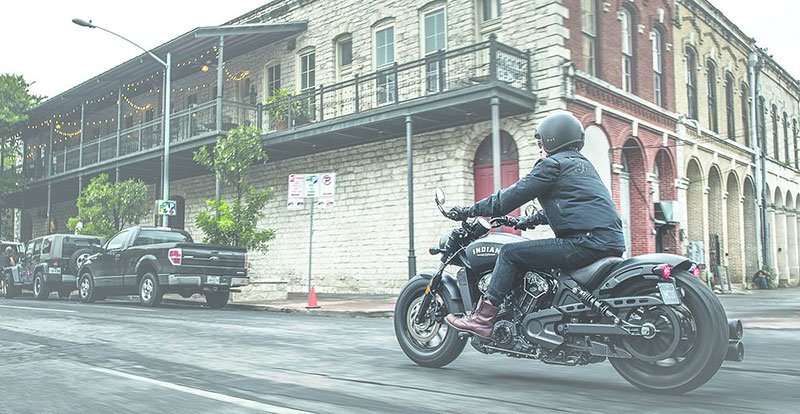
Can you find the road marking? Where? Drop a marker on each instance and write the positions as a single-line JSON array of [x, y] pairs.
[[242, 402], [39, 309]]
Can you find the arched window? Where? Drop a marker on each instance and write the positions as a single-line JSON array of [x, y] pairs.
[[691, 82], [627, 49], [658, 66], [729, 106], [711, 72], [786, 148], [589, 35], [775, 141], [746, 113]]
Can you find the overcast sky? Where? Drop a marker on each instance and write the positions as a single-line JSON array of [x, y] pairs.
[[40, 41]]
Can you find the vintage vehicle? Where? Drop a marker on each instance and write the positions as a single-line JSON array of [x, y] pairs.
[[661, 328], [152, 261], [50, 263]]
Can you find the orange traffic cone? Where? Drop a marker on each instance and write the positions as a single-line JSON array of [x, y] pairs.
[[312, 299]]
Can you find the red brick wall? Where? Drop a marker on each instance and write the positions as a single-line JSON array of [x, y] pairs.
[[609, 38]]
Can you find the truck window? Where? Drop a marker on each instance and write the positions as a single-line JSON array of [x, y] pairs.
[[117, 242], [72, 244], [46, 245], [146, 237]]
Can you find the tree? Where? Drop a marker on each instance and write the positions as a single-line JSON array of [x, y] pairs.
[[15, 102], [106, 207], [235, 223]]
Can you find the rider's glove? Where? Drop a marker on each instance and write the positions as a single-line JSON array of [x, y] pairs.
[[458, 213], [524, 223]]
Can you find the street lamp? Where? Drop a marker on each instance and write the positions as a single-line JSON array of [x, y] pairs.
[[167, 109]]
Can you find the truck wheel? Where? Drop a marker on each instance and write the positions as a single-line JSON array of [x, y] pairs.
[[150, 293], [217, 300], [40, 291], [64, 293], [86, 288]]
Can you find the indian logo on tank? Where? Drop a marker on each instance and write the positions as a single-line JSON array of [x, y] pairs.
[[483, 251]]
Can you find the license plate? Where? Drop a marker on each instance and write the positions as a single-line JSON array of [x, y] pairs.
[[212, 280], [55, 270], [669, 294]]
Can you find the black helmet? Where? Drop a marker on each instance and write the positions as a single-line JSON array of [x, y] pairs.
[[559, 131]]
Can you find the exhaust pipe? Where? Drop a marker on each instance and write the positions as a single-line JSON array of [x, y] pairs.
[[735, 329], [735, 351]]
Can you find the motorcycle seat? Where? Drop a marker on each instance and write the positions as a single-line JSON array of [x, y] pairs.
[[590, 276]]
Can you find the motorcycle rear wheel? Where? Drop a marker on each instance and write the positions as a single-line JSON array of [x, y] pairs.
[[702, 355], [431, 344]]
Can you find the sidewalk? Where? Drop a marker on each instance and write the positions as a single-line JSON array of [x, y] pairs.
[[354, 305]]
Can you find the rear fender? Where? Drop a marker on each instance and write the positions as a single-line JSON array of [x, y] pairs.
[[642, 267], [147, 261], [448, 281]]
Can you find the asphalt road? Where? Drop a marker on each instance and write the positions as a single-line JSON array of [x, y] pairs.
[[65, 357]]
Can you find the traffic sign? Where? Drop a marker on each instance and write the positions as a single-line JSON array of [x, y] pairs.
[[166, 207]]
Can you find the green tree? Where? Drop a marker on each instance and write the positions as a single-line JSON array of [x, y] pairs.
[[15, 102], [106, 207], [235, 223]]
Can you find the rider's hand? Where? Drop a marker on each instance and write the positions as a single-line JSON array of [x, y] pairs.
[[526, 223], [458, 213]]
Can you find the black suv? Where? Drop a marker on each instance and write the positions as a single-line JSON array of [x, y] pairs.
[[51, 263]]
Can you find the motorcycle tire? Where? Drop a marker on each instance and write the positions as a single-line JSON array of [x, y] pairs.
[[706, 354], [448, 348]]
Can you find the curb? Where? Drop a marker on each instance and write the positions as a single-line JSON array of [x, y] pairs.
[[300, 311]]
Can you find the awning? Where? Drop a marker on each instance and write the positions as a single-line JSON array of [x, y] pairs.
[[665, 213], [239, 39]]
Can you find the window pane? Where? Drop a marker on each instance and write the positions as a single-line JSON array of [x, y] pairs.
[[588, 19], [345, 52], [589, 54], [657, 51], [490, 9], [626, 32], [384, 46], [307, 71], [434, 31]]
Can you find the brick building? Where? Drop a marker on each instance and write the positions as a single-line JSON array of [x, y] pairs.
[[362, 81]]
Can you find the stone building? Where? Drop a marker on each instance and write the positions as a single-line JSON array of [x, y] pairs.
[[453, 76]]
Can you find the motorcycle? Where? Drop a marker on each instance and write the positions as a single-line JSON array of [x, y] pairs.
[[659, 325]]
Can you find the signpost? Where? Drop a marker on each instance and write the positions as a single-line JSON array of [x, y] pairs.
[[313, 190]]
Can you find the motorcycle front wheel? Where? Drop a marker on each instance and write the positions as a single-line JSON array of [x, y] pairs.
[[431, 343], [691, 343]]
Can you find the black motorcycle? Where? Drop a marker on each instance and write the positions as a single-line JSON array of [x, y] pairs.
[[651, 316]]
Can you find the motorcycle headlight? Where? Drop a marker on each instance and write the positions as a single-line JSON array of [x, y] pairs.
[[445, 239]]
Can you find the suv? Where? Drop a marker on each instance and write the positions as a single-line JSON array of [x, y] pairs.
[[51, 263], [5, 272]]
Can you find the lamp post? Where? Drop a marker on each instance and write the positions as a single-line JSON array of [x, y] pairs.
[[167, 109]]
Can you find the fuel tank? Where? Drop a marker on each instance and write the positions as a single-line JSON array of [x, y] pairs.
[[482, 253]]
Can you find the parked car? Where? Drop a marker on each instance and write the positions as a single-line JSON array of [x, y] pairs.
[[152, 261], [51, 263], [5, 263]]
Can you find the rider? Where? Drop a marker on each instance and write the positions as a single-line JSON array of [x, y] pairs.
[[576, 204]]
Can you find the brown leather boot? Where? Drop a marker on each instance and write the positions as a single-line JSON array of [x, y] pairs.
[[480, 322]]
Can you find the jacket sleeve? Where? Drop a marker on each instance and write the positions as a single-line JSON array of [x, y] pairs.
[[538, 182]]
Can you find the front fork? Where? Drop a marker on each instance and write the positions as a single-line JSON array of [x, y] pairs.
[[430, 292]]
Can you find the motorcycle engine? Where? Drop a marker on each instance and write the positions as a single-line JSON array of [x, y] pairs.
[[534, 291]]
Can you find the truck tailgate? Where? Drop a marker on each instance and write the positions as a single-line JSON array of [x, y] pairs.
[[212, 260]]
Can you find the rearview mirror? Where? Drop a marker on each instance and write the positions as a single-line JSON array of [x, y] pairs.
[[440, 196], [530, 210]]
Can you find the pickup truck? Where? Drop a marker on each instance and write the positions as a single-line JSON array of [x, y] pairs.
[[152, 261]]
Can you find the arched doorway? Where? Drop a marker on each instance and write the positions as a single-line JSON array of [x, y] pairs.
[[791, 236], [483, 167], [734, 243], [695, 205], [716, 243], [663, 190], [178, 221], [634, 198], [596, 150], [26, 227], [750, 233]]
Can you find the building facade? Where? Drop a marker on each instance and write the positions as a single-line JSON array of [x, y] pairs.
[[440, 81]]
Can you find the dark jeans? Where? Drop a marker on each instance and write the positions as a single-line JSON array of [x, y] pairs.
[[545, 254]]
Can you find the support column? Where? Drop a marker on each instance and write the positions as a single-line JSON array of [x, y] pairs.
[[80, 143], [119, 123], [791, 246], [724, 236], [495, 103], [742, 270], [412, 259], [773, 242], [50, 153], [220, 84], [706, 238], [49, 207]]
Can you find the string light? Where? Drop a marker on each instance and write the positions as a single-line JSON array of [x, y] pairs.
[[137, 107], [67, 134]]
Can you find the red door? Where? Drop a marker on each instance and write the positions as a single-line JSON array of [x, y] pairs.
[[484, 183]]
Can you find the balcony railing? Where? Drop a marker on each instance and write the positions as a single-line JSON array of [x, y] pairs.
[[435, 74], [398, 83]]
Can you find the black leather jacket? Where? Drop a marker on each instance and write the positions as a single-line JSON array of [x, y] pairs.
[[576, 203]]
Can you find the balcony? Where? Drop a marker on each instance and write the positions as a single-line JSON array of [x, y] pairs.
[[440, 91]]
